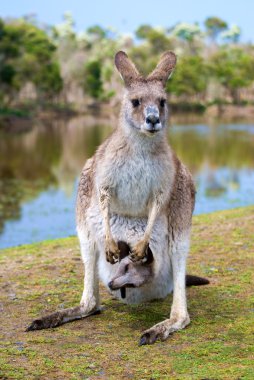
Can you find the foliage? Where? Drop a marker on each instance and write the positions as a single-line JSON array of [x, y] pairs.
[[186, 32], [27, 55], [215, 25], [232, 35], [189, 78], [233, 68], [97, 32], [60, 61], [143, 31], [92, 83]]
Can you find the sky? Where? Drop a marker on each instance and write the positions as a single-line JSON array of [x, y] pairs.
[[126, 15]]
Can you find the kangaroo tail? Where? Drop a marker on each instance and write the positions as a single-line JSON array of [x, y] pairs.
[[196, 280]]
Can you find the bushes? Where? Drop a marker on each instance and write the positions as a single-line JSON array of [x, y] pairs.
[[93, 85], [27, 54]]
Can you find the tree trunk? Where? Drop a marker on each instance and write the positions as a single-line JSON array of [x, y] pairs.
[[235, 94]]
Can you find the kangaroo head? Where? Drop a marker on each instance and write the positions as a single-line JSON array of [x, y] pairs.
[[144, 106]]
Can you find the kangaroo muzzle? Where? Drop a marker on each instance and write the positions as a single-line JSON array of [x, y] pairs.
[[152, 120]]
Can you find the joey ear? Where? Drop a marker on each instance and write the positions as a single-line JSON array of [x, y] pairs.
[[164, 68], [126, 68]]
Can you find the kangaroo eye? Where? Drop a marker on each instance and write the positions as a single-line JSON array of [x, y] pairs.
[[135, 102], [162, 102]]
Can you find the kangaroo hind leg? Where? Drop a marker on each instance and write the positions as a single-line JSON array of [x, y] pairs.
[[89, 304]]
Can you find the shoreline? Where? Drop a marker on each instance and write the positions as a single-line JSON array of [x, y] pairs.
[[19, 121]]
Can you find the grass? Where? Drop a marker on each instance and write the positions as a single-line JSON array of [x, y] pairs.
[[218, 344]]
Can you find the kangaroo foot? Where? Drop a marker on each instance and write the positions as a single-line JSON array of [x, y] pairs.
[[163, 329], [60, 317]]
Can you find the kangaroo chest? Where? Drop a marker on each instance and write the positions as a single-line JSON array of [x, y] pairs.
[[137, 179]]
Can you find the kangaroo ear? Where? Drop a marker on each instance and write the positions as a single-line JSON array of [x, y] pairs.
[[164, 68], [126, 68]]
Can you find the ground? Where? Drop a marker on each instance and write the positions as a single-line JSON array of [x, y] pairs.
[[218, 344]]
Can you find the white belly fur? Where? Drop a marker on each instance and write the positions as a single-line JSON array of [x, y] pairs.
[[131, 230]]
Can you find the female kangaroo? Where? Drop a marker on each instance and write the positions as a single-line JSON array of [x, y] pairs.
[[135, 190]]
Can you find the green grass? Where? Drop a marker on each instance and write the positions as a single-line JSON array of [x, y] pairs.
[[218, 344]]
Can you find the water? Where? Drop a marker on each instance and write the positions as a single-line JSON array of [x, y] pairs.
[[39, 172]]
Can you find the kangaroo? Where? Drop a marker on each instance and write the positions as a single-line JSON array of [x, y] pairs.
[[135, 190]]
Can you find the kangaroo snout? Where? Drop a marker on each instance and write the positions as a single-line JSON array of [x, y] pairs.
[[152, 119], [110, 285], [120, 283]]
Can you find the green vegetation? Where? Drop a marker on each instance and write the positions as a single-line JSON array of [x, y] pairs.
[[218, 344], [214, 26], [233, 68], [190, 77], [74, 69], [27, 56], [92, 82]]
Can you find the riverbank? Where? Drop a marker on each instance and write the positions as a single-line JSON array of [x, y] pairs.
[[23, 119], [44, 277]]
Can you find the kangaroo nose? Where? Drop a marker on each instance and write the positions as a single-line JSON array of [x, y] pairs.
[[110, 284], [152, 119]]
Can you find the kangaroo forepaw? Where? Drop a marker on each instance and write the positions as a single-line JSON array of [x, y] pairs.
[[139, 252], [112, 252]]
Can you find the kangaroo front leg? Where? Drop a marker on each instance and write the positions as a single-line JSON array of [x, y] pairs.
[[112, 251], [179, 317], [139, 251]]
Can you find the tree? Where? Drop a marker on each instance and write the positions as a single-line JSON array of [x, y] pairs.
[[189, 78], [37, 61], [214, 26], [27, 54], [190, 34], [9, 53], [93, 83], [97, 32], [232, 35], [143, 31], [233, 68], [66, 28], [158, 41], [156, 37], [186, 32]]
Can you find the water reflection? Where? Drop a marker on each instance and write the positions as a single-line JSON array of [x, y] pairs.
[[39, 171]]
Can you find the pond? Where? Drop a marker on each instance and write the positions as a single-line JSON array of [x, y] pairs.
[[39, 172]]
